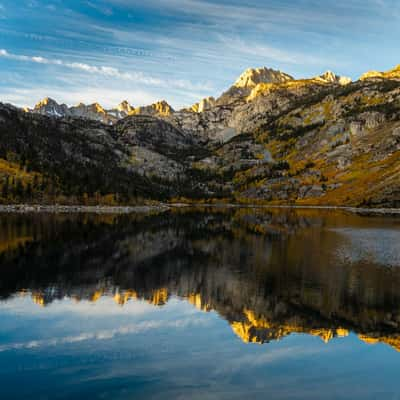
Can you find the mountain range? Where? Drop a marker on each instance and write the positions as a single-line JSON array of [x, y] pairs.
[[244, 85], [96, 112], [268, 139]]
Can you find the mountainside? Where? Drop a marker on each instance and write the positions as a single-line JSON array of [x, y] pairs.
[[268, 138], [330, 146], [61, 160], [253, 99]]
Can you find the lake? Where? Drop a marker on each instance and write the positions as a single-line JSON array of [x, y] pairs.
[[200, 304]]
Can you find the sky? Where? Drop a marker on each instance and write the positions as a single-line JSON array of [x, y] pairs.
[[182, 50]]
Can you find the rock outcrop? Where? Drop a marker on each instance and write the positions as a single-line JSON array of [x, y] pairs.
[[204, 105]]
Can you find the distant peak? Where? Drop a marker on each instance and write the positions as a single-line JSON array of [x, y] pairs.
[[253, 76], [160, 108], [125, 106], [97, 107], [331, 77], [163, 103], [46, 101], [163, 108], [391, 74], [50, 107]]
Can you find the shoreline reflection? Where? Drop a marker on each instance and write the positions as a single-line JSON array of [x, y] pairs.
[[269, 274]]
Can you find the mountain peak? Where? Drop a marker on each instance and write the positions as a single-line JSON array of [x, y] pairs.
[[253, 76], [97, 108], [47, 101], [50, 107], [391, 74], [163, 103], [162, 108], [125, 107], [331, 77]]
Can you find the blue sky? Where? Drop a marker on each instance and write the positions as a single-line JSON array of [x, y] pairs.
[[182, 50]]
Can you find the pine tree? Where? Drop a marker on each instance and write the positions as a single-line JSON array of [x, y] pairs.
[[6, 188], [19, 189], [36, 182], [28, 191]]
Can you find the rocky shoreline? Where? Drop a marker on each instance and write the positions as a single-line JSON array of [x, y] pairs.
[[25, 208], [358, 210], [143, 209]]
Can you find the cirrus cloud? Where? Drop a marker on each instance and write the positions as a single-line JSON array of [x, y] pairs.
[[108, 71]]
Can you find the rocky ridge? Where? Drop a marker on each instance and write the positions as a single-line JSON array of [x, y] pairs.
[[210, 119], [96, 112]]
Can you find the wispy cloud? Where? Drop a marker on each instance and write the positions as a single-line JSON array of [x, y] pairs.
[[286, 14], [273, 355], [270, 53], [103, 9], [107, 71], [107, 334]]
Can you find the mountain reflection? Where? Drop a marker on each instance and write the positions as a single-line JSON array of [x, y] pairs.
[[269, 273]]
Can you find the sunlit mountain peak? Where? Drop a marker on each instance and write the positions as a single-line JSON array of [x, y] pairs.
[[331, 77], [125, 107], [391, 74], [253, 76]]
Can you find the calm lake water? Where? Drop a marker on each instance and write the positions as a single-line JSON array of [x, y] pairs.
[[200, 304]]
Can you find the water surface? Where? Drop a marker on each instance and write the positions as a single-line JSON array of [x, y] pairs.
[[200, 304]]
